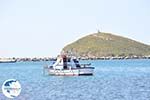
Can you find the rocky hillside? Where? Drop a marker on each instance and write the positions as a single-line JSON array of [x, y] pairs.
[[106, 45]]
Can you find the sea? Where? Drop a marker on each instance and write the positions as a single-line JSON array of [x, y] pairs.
[[112, 80]]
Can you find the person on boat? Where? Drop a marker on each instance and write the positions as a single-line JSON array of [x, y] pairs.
[[64, 57], [76, 61]]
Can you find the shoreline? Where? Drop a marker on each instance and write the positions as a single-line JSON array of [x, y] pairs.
[[115, 57], [36, 59]]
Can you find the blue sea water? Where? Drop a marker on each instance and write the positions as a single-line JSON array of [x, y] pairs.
[[112, 80]]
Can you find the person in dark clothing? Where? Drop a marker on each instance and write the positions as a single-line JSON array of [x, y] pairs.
[[76, 63], [64, 61]]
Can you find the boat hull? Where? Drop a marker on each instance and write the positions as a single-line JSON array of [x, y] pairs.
[[12, 61], [72, 72]]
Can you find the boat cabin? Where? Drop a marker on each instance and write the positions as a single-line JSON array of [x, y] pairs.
[[63, 62]]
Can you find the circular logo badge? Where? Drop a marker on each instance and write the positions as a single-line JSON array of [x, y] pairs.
[[11, 88]]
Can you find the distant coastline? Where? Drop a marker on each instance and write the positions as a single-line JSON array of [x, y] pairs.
[[37, 59], [98, 46], [26, 59], [114, 58]]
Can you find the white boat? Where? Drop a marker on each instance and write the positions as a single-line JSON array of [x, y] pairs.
[[69, 67], [7, 60]]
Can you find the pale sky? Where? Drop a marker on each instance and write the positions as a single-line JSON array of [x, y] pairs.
[[38, 28]]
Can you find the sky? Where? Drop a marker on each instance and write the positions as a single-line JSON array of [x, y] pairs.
[[41, 28]]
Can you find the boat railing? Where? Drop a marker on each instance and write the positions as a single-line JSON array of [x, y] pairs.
[[84, 65], [74, 64], [69, 66]]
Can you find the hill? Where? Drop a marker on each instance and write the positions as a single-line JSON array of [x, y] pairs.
[[106, 45]]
